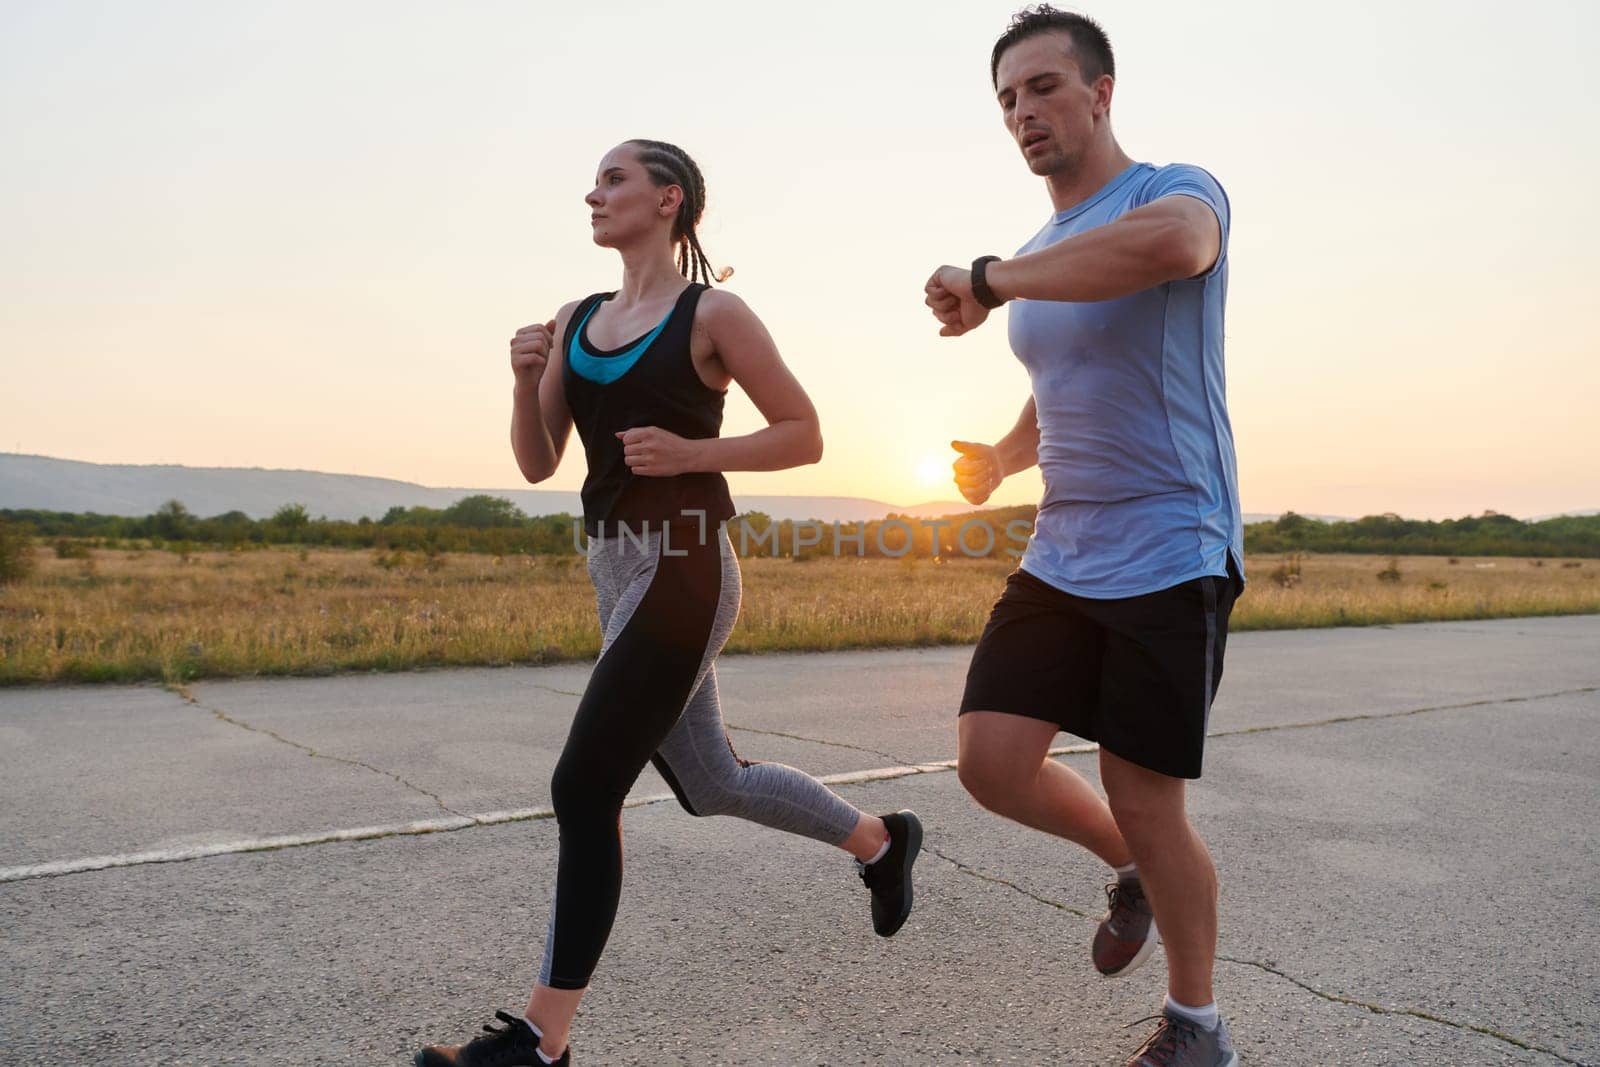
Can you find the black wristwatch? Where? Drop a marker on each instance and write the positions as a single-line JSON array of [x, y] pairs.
[[980, 283]]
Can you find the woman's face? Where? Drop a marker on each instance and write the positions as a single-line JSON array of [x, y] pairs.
[[625, 205]]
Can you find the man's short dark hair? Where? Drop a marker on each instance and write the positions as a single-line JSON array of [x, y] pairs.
[[1090, 45]]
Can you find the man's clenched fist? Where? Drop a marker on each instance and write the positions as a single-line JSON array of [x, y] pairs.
[[950, 296], [978, 471]]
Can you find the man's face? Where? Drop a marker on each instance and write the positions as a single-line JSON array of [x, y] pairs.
[[1047, 107]]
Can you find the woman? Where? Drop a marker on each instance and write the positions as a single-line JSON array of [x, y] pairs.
[[642, 373]]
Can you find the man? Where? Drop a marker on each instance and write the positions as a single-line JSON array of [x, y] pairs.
[[1113, 626]]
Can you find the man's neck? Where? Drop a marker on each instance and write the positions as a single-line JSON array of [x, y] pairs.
[[1072, 186]]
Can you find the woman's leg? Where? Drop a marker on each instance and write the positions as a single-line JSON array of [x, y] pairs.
[[656, 638], [709, 778]]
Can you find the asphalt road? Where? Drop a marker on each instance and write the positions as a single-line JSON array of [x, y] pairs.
[[337, 870]]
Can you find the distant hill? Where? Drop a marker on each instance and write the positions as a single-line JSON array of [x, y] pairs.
[[1567, 515], [47, 484]]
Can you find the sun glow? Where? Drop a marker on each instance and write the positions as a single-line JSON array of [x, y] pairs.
[[933, 470]]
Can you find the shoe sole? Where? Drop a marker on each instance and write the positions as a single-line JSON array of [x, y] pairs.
[[913, 850], [1139, 957]]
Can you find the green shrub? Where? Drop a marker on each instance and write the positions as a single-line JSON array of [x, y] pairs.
[[67, 548], [16, 554], [1287, 573]]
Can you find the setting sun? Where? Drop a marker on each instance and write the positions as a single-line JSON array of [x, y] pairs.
[[934, 470]]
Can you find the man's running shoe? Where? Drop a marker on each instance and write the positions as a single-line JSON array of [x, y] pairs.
[[513, 1045], [1127, 934], [890, 877], [1178, 1042]]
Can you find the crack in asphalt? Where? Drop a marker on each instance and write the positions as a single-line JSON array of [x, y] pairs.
[[968, 869], [190, 699], [1376, 715], [1238, 732], [1415, 1013], [932, 766], [1334, 998], [891, 757], [553, 689]]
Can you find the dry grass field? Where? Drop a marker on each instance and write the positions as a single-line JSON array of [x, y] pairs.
[[132, 615]]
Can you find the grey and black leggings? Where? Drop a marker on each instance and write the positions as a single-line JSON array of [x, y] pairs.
[[653, 697]]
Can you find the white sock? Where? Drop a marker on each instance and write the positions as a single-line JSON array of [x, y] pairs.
[[878, 855], [539, 1052], [1128, 872], [1205, 1017]]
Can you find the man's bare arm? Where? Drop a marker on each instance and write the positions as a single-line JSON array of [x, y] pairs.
[[1178, 236], [1175, 237], [1019, 449]]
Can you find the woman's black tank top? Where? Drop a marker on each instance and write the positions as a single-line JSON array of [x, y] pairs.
[[651, 382]]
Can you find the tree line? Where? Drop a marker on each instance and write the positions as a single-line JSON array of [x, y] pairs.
[[1489, 534], [484, 523], [478, 523]]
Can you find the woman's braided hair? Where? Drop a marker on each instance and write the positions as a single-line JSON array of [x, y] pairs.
[[667, 164]]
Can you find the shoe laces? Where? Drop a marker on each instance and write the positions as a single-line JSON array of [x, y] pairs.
[[512, 1023], [878, 875], [1127, 896], [1161, 1049], [503, 1036]]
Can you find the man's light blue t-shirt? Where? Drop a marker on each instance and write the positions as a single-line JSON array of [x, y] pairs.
[[1140, 483]]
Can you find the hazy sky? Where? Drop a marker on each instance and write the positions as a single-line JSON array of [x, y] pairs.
[[299, 234]]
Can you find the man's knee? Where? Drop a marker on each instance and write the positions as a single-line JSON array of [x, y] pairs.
[[1146, 806], [999, 757], [991, 779]]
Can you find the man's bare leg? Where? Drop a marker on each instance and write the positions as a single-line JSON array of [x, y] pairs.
[[1003, 762], [1175, 868]]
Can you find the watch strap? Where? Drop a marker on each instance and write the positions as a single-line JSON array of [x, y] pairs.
[[980, 282]]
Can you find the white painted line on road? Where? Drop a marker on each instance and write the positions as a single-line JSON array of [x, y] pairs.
[[225, 848], [884, 773], [494, 818], [269, 844], [85, 864]]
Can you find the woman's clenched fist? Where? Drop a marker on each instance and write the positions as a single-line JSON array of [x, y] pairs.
[[530, 352]]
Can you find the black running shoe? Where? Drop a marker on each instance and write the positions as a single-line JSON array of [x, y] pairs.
[[513, 1045], [890, 877]]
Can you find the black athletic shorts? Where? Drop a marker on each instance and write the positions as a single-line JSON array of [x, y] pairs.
[[1135, 674]]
